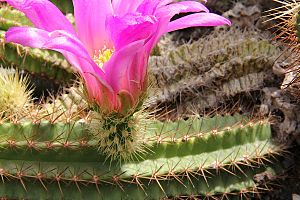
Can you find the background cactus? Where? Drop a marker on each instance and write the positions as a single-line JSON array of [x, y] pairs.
[[210, 72]]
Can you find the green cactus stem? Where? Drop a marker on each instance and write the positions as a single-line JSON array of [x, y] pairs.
[[201, 156], [10, 17]]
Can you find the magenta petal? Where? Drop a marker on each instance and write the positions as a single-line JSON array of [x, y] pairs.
[[122, 7], [57, 40], [43, 14], [26, 36], [165, 2], [137, 72], [67, 43], [98, 90], [198, 19], [180, 7], [148, 7], [90, 17], [116, 69], [127, 29]]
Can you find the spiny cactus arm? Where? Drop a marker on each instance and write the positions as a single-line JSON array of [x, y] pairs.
[[214, 64], [56, 143], [212, 172], [223, 184], [69, 104], [212, 82]]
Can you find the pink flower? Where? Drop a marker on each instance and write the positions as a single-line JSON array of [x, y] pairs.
[[112, 41]]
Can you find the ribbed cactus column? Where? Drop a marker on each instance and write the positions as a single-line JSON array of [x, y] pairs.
[[196, 157]]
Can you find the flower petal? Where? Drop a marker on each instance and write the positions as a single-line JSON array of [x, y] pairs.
[[127, 29], [43, 14], [180, 7], [165, 2], [165, 11], [116, 69], [122, 7], [74, 52], [90, 17], [148, 7], [60, 41], [198, 19], [99, 91], [27, 36]]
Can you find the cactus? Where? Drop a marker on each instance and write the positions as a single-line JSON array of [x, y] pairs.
[[10, 17], [35, 61], [44, 155], [195, 157], [287, 18], [207, 72], [68, 104], [59, 149]]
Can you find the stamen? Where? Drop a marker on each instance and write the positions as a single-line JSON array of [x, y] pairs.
[[102, 56]]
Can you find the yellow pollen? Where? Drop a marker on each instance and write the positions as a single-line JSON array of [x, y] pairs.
[[102, 56]]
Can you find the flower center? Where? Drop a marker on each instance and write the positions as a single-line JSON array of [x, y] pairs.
[[102, 56]]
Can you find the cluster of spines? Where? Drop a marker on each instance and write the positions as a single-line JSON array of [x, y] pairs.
[[286, 28], [286, 22], [15, 93]]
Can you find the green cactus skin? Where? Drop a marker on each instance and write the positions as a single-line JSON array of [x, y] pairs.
[[200, 156], [10, 17], [121, 189]]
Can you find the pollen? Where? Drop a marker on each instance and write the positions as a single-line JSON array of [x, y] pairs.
[[102, 56]]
